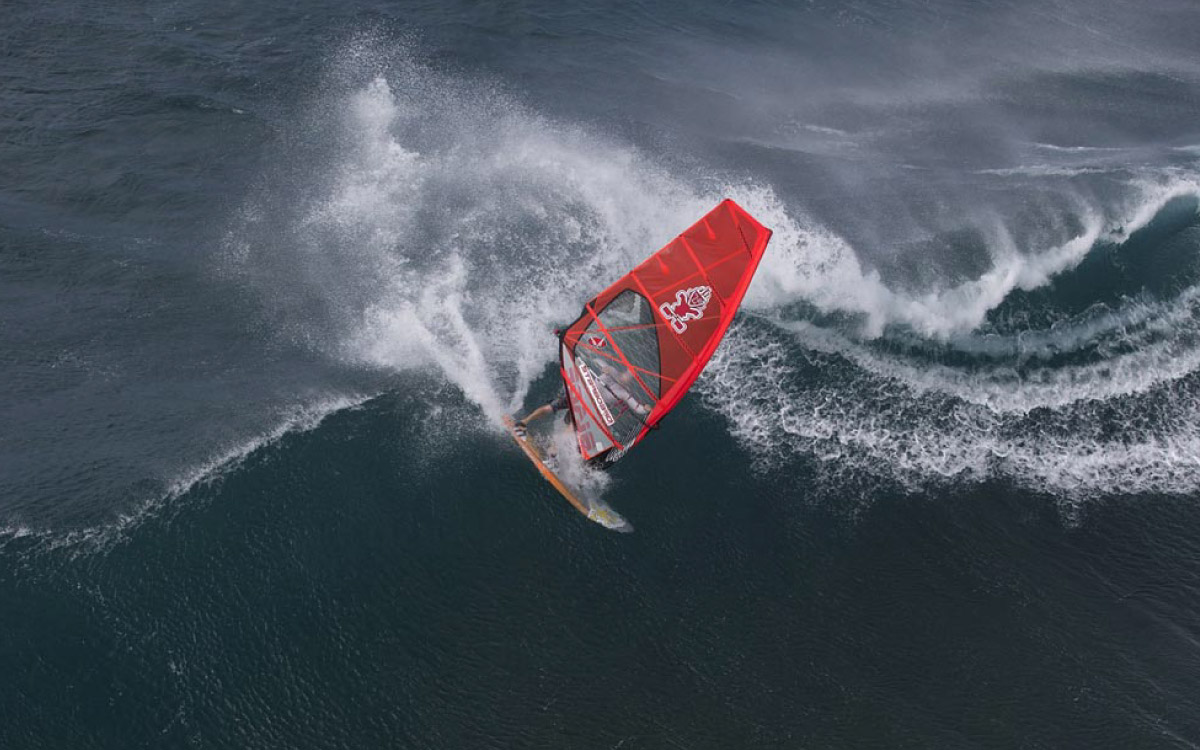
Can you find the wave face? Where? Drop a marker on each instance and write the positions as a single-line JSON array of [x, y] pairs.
[[1071, 400]]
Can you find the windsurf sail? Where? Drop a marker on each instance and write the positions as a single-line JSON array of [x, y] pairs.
[[638, 346]]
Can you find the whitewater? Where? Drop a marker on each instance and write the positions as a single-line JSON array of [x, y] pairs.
[[444, 226], [472, 227]]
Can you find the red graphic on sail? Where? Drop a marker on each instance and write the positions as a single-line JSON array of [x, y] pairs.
[[640, 344]]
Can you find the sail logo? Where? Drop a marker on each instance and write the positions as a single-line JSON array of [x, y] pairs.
[[596, 341], [689, 304], [590, 381]]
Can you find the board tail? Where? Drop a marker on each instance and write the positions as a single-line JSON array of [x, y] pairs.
[[592, 508], [603, 514]]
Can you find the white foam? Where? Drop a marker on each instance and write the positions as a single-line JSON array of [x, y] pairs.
[[540, 212], [295, 419], [1047, 170], [570, 466], [858, 423], [811, 263], [1164, 338], [1125, 419], [1151, 196], [1074, 149], [103, 536]]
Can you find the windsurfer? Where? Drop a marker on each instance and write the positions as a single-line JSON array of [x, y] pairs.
[[618, 384], [638, 346], [609, 378]]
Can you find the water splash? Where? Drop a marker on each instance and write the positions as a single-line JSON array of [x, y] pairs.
[[472, 226]]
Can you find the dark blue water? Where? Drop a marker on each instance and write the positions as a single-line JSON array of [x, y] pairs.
[[271, 273]]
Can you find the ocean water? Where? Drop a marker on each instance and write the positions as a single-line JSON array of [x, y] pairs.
[[271, 273]]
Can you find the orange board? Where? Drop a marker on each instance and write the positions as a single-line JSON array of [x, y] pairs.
[[594, 510]]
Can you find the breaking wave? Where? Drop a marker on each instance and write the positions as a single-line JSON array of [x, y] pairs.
[[296, 419], [1105, 401], [413, 218], [449, 227], [908, 426]]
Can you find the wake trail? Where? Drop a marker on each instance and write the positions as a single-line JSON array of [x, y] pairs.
[[104, 536]]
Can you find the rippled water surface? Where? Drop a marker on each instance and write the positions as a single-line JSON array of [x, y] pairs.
[[270, 275]]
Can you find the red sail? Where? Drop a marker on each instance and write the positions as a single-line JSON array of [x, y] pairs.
[[640, 344]]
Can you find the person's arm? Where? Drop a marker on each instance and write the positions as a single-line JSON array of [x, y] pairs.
[[537, 413]]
